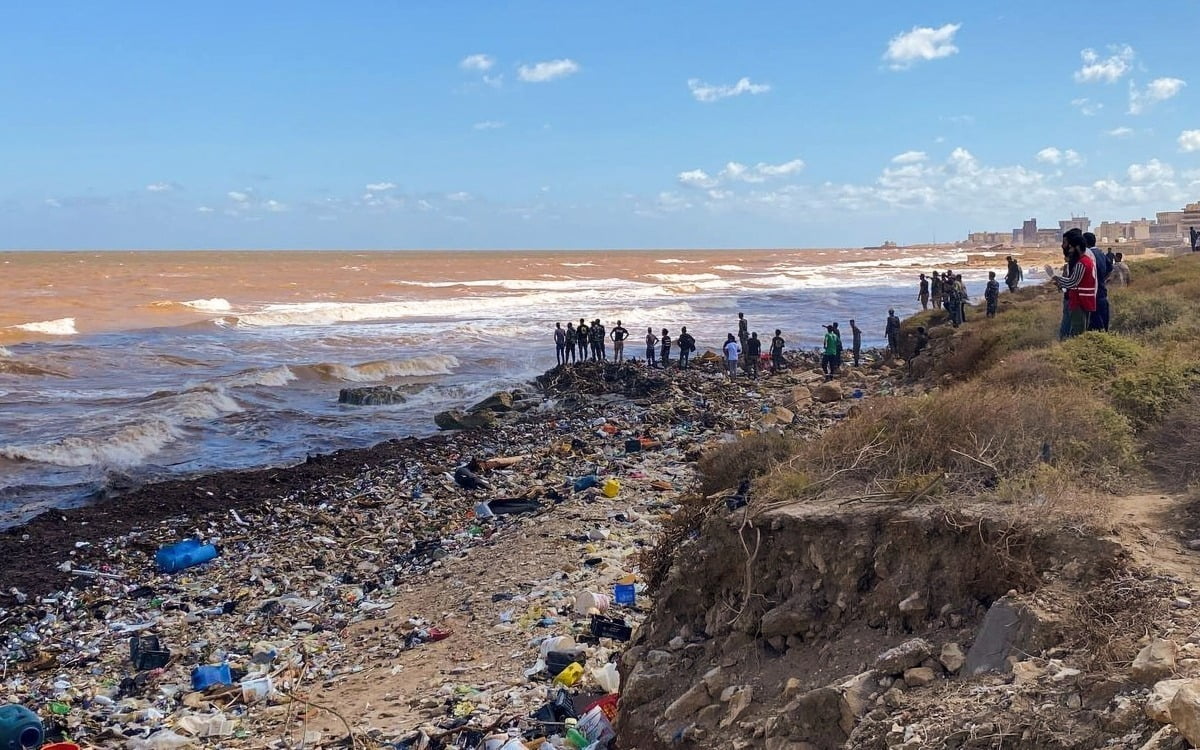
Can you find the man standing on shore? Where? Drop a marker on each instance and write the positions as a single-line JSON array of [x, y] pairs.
[[892, 333], [570, 342], [753, 352], [560, 344], [619, 334], [1194, 236], [651, 345], [1080, 283], [935, 288], [1099, 321], [992, 294], [733, 353], [665, 352], [777, 344], [743, 331], [855, 340], [829, 353], [687, 345], [600, 340], [584, 337], [923, 294], [1013, 276]]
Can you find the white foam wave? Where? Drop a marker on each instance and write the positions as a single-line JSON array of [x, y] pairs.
[[577, 265], [367, 372], [214, 304], [521, 284], [5, 352], [729, 268], [128, 446], [681, 278], [204, 402], [669, 261], [272, 377], [60, 327]]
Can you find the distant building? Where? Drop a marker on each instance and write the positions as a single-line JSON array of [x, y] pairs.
[[989, 238], [1029, 232], [1075, 222]]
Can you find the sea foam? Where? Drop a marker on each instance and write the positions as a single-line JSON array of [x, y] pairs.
[[60, 327]]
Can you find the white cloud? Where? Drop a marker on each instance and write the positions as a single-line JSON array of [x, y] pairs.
[[425, 205], [1052, 155], [1158, 90], [707, 92], [238, 196], [1189, 140], [275, 206], [204, 210], [1108, 70], [1121, 132], [1152, 171], [780, 170], [697, 178], [1086, 106], [479, 62], [488, 125], [547, 70], [909, 157], [379, 187], [160, 187], [459, 197], [921, 43], [53, 203]]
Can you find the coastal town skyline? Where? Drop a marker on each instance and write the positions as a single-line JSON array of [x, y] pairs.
[[1169, 228]]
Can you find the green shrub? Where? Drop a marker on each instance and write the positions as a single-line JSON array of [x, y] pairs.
[[723, 467], [1138, 312], [1098, 356], [1146, 396]]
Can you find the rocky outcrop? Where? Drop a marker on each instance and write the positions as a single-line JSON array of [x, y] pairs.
[[1156, 661], [372, 395], [827, 392], [500, 401], [457, 419]]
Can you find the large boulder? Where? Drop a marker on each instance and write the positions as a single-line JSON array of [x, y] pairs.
[[457, 419], [1185, 713], [907, 655], [498, 401], [1158, 705], [1154, 662], [1008, 627], [372, 395]]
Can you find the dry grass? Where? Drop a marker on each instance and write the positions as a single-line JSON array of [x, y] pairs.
[[1173, 446], [724, 467], [1108, 620]]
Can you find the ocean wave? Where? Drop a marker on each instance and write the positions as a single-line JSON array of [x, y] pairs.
[[204, 402], [669, 261], [10, 366], [558, 283], [128, 446], [577, 265], [367, 372], [729, 268], [214, 304], [681, 278], [60, 327], [271, 377], [5, 352]]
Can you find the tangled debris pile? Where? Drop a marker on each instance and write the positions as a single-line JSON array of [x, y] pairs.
[[393, 605]]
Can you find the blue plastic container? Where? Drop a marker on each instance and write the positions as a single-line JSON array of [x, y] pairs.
[[20, 728], [185, 554], [207, 676], [625, 594], [586, 483]]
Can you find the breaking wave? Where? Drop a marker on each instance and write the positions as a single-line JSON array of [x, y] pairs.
[[271, 377], [433, 364], [683, 278], [60, 327], [669, 261], [215, 304]]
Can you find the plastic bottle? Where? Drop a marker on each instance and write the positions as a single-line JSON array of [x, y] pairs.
[[185, 554], [20, 728], [576, 739]]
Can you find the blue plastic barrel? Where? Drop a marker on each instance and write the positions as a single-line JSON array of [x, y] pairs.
[[185, 554], [586, 483], [625, 594], [20, 728], [206, 676]]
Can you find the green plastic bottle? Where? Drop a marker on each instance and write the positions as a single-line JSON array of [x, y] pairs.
[[576, 739]]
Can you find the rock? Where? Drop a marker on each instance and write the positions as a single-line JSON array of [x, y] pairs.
[[714, 681], [710, 715], [801, 395], [498, 401], [792, 688], [1006, 626], [1025, 672], [828, 392], [457, 419], [1166, 738], [738, 703], [658, 658], [816, 717], [893, 698], [1181, 602], [905, 656], [1193, 544], [690, 702], [856, 699], [914, 604], [1158, 705], [1185, 712], [952, 657], [918, 676], [375, 395], [1155, 661]]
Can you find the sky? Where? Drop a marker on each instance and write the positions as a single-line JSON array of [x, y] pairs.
[[586, 125]]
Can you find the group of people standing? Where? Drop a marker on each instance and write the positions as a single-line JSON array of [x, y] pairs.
[[945, 290], [1084, 280]]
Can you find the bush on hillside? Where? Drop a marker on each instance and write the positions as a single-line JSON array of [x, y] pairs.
[[1099, 356], [723, 467], [1146, 396], [1138, 312], [982, 343], [1172, 447]]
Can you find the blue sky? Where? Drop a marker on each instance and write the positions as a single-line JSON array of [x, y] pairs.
[[585, 125]]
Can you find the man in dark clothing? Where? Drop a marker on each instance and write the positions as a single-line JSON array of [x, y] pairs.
[[777, 344], [743, 333], [922, 340], [753, 352], [1194, 236], [570, 342], [1111, 257], [923, 293], [619, 334], [992, 294], [687, 345], [664, 355], [1013, 276], [651, 347], [599, 340], [837, 332], [935, 288], [892, 333], [584, 338], [855, 340], [1099, 319], [560, 344]]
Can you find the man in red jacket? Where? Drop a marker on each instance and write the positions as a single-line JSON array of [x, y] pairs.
[[1080, 283]]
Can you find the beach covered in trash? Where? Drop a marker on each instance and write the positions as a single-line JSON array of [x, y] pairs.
[[470, 590]]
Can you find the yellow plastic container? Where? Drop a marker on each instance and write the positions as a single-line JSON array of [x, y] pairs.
[[570, 675], [610, 488]]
